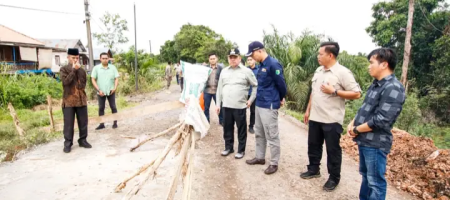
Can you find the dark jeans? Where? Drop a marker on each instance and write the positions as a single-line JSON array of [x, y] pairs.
[[232, 116], [252, 114], [112, 104], [181, 83], [178, 79], [207, 99], [372, 166], [69, 121], [331, 134]]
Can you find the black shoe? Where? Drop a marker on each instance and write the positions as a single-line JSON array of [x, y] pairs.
[[115, 125], [330, 185], [85, 144], [67, 149], [310, 175], [101, 126], [251, 130]]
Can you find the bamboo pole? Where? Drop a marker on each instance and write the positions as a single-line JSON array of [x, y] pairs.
[[156, 136], [124, 183], [187, 188], [50, 113], [151, 172], [176, 178], [16, 121]]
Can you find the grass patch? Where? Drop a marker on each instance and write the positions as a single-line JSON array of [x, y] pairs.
[[32, 122], [297, 115]]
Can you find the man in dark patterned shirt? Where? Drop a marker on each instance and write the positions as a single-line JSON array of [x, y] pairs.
[[371, 127]]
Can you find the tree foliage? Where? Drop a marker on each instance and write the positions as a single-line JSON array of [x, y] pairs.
[[193, 43], [114, 34], [429, 69]]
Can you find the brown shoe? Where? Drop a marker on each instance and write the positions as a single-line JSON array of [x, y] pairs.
[[256, 161], [271, 169]]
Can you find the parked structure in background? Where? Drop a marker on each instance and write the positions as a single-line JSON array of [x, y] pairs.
[[21, 52], [59, 53]]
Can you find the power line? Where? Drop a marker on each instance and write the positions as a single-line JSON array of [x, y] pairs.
[[95, 21], [428, 20], [41, 10]]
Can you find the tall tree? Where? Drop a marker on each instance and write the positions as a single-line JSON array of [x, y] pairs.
[[193, 43], [406, 54], [114, 33], [388, 30], [168, 52]]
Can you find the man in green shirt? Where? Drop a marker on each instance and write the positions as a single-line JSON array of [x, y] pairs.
[[105, 79]]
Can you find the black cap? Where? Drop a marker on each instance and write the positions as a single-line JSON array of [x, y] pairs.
[[73, 52], [253, 47], [234, 52]]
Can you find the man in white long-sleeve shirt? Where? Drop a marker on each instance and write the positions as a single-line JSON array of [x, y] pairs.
[[232, 92]]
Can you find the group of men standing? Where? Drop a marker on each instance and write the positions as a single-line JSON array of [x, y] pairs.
[[237, 87], [263, 89]]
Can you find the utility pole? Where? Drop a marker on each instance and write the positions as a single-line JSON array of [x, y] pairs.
[[135, 50], [407, 52], [150, 42], [89, 36]]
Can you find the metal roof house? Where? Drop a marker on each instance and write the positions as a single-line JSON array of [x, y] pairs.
[[21, 52], [59, 54]]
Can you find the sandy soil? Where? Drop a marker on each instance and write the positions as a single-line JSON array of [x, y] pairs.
[[45, 172]]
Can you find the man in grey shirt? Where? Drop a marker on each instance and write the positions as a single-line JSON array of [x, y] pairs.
[[211, 86], [232, 92]]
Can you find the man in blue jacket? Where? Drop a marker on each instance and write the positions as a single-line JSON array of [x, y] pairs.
[[269, 98]]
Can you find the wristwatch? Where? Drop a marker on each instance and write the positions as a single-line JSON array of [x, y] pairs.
[[335, 92], [355, 130]]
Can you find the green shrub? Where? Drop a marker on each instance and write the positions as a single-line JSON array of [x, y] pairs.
[[26, 91], [411, 115]]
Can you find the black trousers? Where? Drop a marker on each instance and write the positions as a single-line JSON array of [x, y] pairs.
[[331, 134], [181, 83], [112, 104], [69, 121], [232, 116], [252, 114]]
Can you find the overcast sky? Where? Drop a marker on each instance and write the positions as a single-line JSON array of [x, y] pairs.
[[239, 21]]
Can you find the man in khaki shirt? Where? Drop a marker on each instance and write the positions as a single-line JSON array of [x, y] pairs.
[[168, 74], [332, 84]]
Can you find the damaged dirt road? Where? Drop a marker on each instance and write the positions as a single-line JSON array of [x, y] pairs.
[[45, 172]]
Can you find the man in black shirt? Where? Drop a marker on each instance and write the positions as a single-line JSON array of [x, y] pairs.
[[371, 127]]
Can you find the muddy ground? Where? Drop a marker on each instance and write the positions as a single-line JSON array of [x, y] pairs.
[[45, 172]]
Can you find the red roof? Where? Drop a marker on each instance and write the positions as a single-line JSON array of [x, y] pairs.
[[8, 35]]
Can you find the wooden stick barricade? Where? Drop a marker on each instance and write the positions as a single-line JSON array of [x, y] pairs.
[[185, 136], [16, 121], [156, 136], [50, 113]]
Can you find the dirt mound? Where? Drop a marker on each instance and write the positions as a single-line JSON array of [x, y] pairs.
[[414, 165]]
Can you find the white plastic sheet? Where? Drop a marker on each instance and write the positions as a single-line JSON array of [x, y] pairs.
[[195, 116], [195, 77]]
